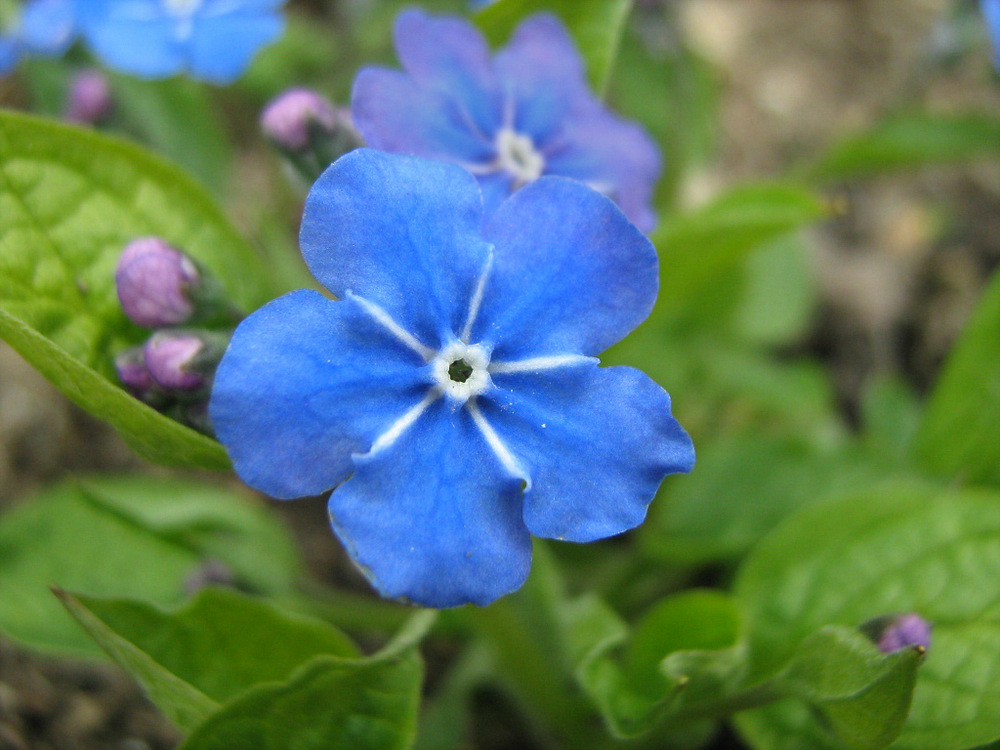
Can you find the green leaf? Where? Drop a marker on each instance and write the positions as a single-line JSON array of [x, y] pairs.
[[289, 681], [779, 296], [222, 643], [140, 539], [719, 511], [229, 527], [898, 547], [178, 118], [181, 702], [329, 703], [957, 437], [596, 26], [677, 658], [863, 694], [908, 141], [70, 200], [698, 247]]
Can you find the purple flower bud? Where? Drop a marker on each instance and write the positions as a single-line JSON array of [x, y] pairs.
[[89, 99], [209, 573], [292, 118], [153, 282], [895, 632], [135, 376], [172, 358]]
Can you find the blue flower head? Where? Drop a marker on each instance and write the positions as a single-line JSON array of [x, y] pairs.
[[44, 27], [211, 39], [991, 11], [508, 119], [452, 395]]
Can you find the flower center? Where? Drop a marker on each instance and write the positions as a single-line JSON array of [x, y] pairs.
[[517, 154], [460, 370]]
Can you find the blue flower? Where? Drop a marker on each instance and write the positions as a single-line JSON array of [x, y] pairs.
[[211, 39], [509, 119], [991, 10], [452, 395], [45, 27]]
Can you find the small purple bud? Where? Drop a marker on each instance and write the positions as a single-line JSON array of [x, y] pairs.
[[209, 573], [293, 119], [132, 371], [153, 280], [89, 99], [895, 632], [171, 357]]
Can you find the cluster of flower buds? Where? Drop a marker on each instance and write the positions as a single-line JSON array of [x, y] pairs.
[[895, 632], [162, 289], [308, 131]]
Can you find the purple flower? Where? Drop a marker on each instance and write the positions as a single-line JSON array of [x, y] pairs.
[[904, 631], [508, 119], [452, 395]]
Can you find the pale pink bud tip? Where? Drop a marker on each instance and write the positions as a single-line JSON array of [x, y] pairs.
[[290, 117]]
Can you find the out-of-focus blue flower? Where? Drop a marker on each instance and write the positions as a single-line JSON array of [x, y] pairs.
[[991, 10], [452, 395], [44, 27], [508, 119], [210, 39]]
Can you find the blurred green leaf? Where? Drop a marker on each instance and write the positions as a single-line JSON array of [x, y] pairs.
[[909, 141], [180, 701], [862, 694], [70, 200], [179, 120], [779, 296], [958, 435], [596, 26], [290, 682], [221, 643], [740, 489], [896, 547], [361, 704], [698, 247], [146, 539], [890, 416]]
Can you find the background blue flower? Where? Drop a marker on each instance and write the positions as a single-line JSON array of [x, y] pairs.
[[508, 119], [452, 393], [44, 27], [211, 39], [991, 11]]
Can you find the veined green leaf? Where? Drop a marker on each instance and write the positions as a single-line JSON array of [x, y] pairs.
[[70, 200]]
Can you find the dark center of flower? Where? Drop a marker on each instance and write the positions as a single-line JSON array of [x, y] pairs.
[[459, 371]]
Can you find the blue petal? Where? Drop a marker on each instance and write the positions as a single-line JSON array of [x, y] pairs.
[[450, 56], [496, 188], [610, 154], [543, 72], [135, 37], [47, 26], [221, 47], [394, 114], [10, 53], [305, 383], [571, 274], [596, 443], [434, 517], [991, 11], [403, 233]]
